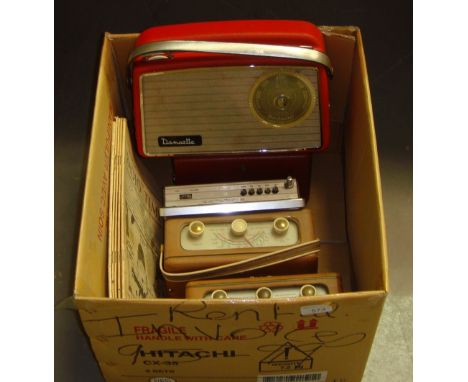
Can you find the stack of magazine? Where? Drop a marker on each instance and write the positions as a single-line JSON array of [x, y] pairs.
[[135, 231]]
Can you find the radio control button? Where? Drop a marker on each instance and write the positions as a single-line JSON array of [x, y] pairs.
[[308, 290], [251, 191], [238, 227], [280, 225], [267, 190], [263, 292], [275, 189], [196, 228], [259, 191], [289, 183], [218, 294], [243, 192]]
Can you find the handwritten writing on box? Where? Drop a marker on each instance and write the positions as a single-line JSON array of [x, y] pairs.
[[202, 322]]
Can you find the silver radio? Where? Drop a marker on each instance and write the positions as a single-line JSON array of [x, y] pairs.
[[235, 197]]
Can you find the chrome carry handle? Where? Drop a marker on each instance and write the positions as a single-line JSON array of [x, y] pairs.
[[238, 48]]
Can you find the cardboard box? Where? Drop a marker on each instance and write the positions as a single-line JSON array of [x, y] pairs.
[[321, 338]]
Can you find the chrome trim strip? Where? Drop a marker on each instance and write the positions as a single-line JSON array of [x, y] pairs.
[[239, 48], [229, 208]]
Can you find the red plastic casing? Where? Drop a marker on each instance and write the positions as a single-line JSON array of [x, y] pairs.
[[277, 32]]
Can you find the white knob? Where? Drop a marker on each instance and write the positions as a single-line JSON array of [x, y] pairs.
[[196, 228], [308, 290], [218, 294], [289, 183], [239, 227], [263, 292], [280, 225]]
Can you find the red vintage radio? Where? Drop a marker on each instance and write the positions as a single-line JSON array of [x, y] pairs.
[[232, 100]]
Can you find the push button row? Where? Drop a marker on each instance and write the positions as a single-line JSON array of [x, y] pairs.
[[259, 191]]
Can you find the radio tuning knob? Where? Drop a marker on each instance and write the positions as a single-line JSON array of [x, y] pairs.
[[308, 290], [239, 227], [289, 183], [218, 294], [280, 225], [196, 228], [263, 292]]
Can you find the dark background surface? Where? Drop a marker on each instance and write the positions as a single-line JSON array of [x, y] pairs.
[[79, 27]]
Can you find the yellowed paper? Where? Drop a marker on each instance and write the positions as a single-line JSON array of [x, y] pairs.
[[135, 226]]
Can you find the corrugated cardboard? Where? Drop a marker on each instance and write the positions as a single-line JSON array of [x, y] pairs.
[[324, 337]]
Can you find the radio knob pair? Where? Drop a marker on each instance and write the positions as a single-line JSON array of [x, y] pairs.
[[261, 293], [197, 228], [306, 290], [251, 191]]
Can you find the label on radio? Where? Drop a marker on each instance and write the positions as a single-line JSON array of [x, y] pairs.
[[180, 140], [236, 192], [316, 309]]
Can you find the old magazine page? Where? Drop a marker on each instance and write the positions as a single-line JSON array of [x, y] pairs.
[[114, 246], [138, 229]]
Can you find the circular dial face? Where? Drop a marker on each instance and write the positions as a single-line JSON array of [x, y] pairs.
[[282, 99], [257, 235]]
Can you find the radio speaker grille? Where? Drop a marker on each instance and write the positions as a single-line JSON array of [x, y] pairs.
[[214, 110]]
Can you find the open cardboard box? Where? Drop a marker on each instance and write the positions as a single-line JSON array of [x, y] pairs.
[[320, 338]]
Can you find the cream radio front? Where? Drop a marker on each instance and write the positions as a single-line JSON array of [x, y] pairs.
[[296, 286], [197, 243], [233, 100]]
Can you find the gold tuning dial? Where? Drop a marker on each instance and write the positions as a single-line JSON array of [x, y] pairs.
[[282, 99]]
